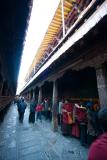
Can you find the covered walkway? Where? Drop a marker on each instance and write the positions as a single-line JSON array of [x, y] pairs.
[[35, 142], [70, 64]]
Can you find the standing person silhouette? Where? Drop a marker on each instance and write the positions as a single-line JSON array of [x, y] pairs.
[[32, 111], [39, 109], [21, 109]]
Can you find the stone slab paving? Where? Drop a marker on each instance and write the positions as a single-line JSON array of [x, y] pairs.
[[35, 142]]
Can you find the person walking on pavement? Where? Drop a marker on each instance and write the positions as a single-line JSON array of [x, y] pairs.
[[32, 111], [39, 109], [18, 103], [21, 109]]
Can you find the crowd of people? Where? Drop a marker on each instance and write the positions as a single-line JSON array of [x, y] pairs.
[[34, 107], [80, 120], [83, 120]]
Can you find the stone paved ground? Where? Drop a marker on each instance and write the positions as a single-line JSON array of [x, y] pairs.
[[35, 142]]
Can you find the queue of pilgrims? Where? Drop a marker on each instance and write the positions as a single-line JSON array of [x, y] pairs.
[[77, 120]]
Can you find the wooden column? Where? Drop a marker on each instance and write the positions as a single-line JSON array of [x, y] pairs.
[[1, 87], [101, 74], [40, 95], [55, 105], [29, 95], [55, 92], [33, 93]]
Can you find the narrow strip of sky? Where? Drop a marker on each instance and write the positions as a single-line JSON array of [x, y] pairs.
[[41, 16]]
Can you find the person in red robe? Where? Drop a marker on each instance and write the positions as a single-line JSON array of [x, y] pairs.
[[98, 149], [67, 112], [75, 126], [82, 121]]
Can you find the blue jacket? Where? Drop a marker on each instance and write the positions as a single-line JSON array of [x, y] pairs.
[[22, 106]]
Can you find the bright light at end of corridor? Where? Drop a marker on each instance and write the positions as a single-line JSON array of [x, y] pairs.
[[41, 16]]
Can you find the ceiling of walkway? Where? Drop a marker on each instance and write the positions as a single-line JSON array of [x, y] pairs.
[[14, 15]]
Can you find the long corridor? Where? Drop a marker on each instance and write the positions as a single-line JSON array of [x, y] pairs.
[[35, 142]]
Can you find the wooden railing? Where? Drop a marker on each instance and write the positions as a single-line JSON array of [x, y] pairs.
[[4, 101]]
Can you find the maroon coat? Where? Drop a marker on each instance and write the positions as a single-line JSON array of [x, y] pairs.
[[98, 150], [81, 114], [67, 108]]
